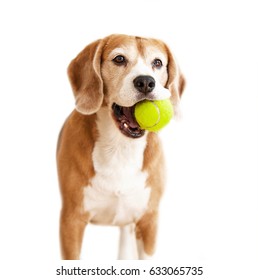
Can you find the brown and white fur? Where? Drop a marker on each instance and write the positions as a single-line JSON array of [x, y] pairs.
[[109, 174]]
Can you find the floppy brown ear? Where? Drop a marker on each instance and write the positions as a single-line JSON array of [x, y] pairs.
[[175, 82], [85, 78]]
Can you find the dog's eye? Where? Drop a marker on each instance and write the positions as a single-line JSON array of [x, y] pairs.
[[157, 63], [119, 60]]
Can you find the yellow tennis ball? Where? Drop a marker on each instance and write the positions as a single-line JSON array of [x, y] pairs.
[[153, 115]]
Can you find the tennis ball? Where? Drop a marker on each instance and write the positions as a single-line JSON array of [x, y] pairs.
[[153, 115]]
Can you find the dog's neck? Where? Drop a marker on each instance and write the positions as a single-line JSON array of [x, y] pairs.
[[113, 148]]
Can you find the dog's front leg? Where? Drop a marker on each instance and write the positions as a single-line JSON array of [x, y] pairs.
[[72, 226], [146, 232], [127, 243]]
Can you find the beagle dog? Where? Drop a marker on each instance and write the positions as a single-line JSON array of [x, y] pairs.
[[111, 172]]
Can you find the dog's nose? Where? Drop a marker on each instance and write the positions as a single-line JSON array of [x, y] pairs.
[[144, 84]]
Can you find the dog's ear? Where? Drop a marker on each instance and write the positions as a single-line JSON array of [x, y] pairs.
[[85, 78], [175, 82]]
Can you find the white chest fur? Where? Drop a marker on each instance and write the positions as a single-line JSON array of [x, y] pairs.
[[118, 194]]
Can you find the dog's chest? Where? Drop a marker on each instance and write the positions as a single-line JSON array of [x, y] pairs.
[[118, 194]]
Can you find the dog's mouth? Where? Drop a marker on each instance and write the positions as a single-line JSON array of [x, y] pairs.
[[125, 120]]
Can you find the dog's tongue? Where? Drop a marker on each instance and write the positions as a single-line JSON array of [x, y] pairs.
[[129, 114]]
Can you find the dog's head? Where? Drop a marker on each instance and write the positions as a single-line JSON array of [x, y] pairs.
[[119, 71]]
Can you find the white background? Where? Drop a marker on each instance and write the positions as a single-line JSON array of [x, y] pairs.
[[209, 213]]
